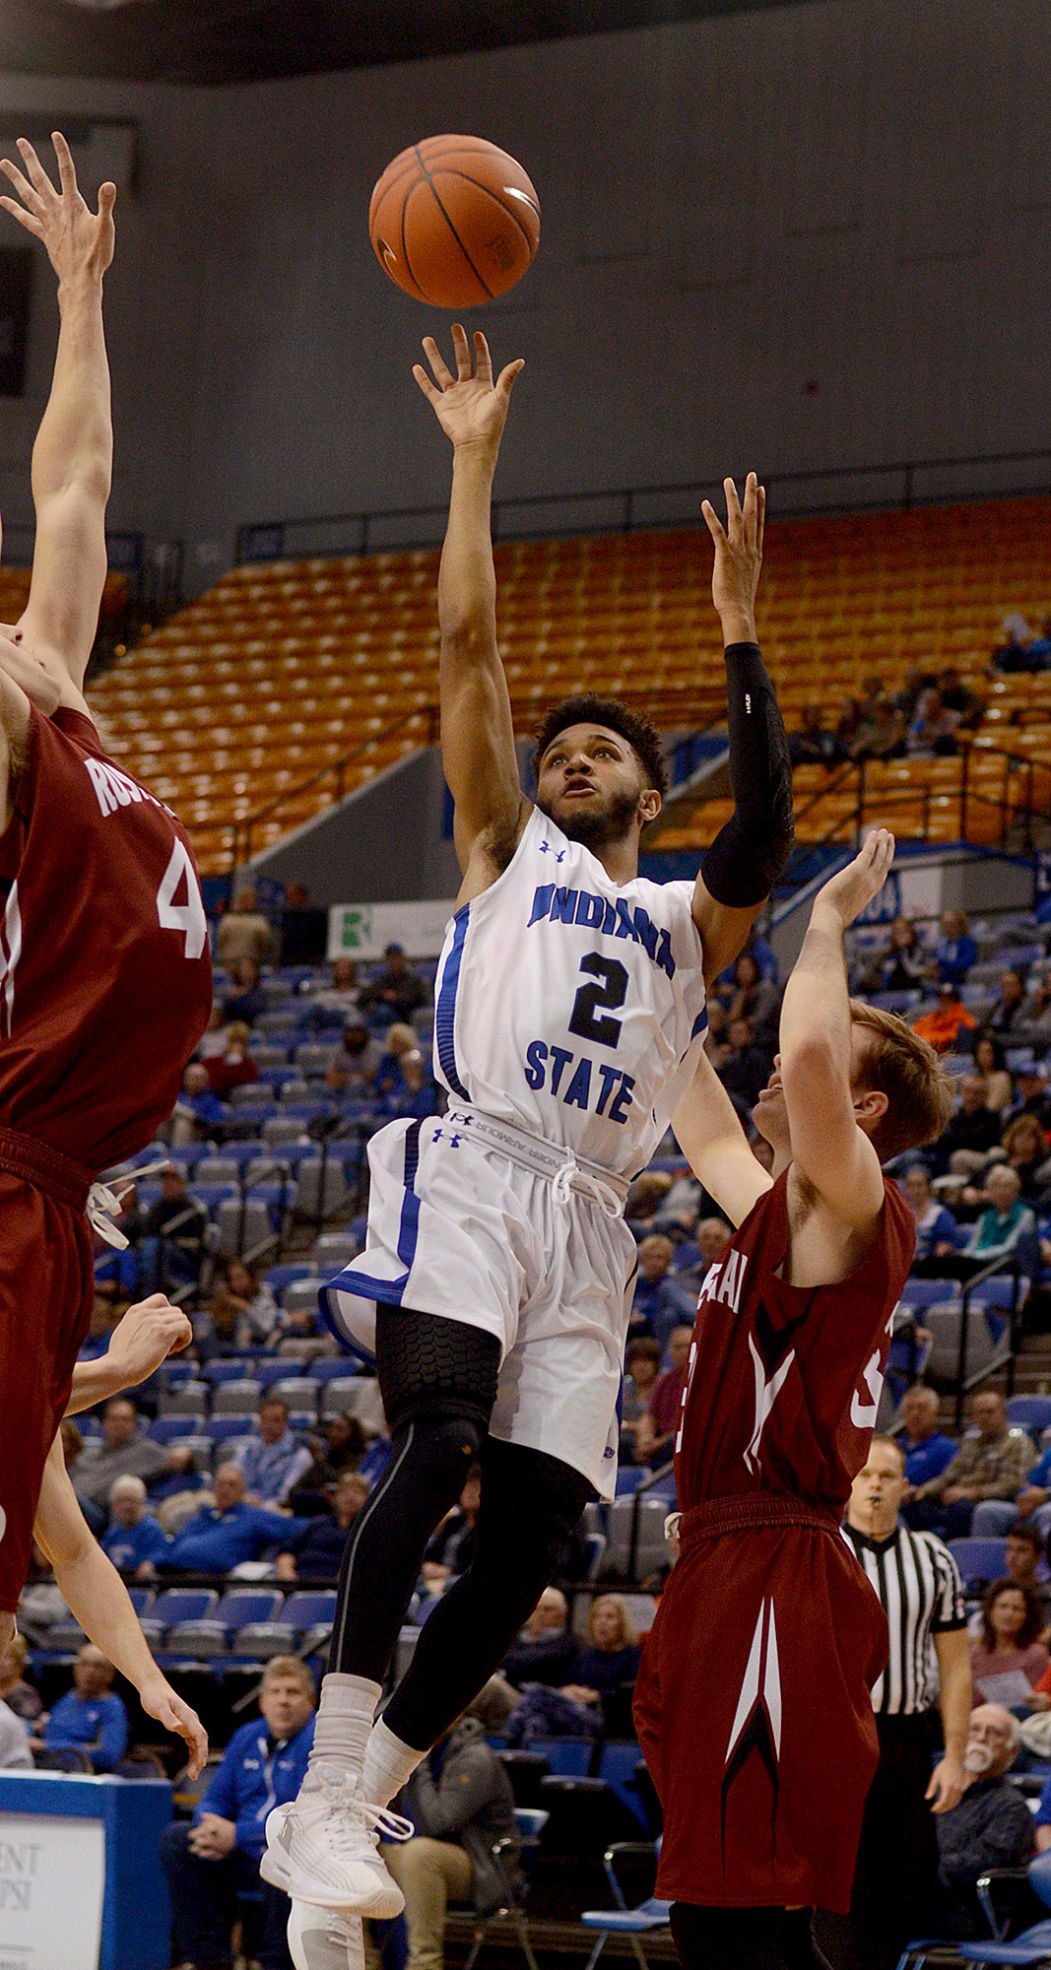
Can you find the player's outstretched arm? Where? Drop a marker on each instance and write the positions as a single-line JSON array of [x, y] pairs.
[[745, 859], [98, 1599], [145, 1336], [478, 747], [73, 454], [708, 1131], [828, 1147]]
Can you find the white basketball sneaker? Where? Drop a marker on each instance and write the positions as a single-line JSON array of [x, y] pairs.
[[323, 1847], [325, 1939]]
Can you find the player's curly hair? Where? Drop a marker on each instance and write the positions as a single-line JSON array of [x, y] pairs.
[[589, 709]]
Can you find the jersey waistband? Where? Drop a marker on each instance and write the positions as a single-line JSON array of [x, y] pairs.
[[547, 1159], [45, 1168], [750, 1509]]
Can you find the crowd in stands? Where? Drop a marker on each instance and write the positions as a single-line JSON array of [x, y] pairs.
[[923, 720]]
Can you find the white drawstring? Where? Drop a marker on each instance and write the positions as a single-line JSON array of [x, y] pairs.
[[571, 1177], [105, 1202]]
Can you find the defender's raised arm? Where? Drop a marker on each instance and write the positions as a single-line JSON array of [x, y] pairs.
[[478, 748]]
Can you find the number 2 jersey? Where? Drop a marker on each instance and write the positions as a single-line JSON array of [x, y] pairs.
[[105, 971], [571, 1006]]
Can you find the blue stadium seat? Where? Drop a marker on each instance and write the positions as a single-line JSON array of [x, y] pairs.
[[309, 1607], [222, 1429], [279, 1276], [618, 1765], [142, 1599], [164, 1429], [925, 1292], [978, 1559], [1030, 1412], [338, 1370], [629, 1478], [568, 1757], [175, 1604], [237, 1369], [241, 1605], [211, 1195]]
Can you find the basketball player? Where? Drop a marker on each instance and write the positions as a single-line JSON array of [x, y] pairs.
[[105, 977], [752, 1704], [91, 1586], [570, 1015]]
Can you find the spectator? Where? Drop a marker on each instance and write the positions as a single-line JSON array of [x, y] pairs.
[[397, 991], [545, 1651], [224, 1535], [943, 1025], [174, 1494], [352, 1065], [1008, 1011], [1038, 1009], [926, 1451], [992, 1825], [972, 1132], [275, 1460], [814, 744], [646, 1199], [1030, 1505], [419, 1094], [174, 1231], [123, 1452], [1025, 1151], [248, 1000], [232, 1066], [304, 928], [243, 932], [642, 1362], [1014, 652], [655, 1435], [90, 1717], [1007, 1226], [990, 1464], [937, 1232], [902, 965], [215, 1859], [881, 724], [198, 1113], [932, 731], [958, 697], [341, 1448], [317, 1550], [1033, 1099], [754, 998], [956, 950], [135, 1540], [15, 1752], [18, 1694], [605, 1671], [661, 1301], [1008, 1647], [461, 1804], [744, 1067], [401, 1040], [241, 1308], [451, 1550], [989, 1061], [848, 725], [335, 1002]]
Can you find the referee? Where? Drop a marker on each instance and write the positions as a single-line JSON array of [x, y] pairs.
[[928, 1673]]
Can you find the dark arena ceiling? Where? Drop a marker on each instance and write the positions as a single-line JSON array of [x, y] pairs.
[[224, 41]]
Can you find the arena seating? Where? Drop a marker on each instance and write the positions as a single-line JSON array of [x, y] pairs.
[[308, 662]]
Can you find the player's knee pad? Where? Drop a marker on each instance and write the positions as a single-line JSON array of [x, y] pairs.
[[432, 1367], [531, 1505]]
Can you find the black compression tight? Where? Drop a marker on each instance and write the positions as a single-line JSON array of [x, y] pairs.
[[744, 1938], [438, 1381]]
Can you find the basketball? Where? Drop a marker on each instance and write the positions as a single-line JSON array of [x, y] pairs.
[[454, 221]]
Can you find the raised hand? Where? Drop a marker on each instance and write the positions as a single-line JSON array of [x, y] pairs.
[[738, 556], [78, 241], [852, 888], [470, 407]]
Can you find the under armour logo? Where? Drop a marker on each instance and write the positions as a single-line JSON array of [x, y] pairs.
[[558, 853], [453, 1139]]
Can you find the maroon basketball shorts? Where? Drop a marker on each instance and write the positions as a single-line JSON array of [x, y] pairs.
[[46, 1296], [753, 1711]]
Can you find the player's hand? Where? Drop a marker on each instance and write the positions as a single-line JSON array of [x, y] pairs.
[[79, 242], [40, 685], [470, 407], [738, 557], [149, 1332], [849, 891], [159, 1700], [946, 1788]]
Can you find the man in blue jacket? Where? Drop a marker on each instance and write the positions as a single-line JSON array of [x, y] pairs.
[[224, 1535], [216, 1857], [90, 1717]]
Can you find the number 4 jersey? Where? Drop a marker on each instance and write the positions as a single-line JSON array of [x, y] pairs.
[[571, 1006], [105, 973]]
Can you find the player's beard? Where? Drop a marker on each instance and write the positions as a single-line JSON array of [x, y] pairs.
[[595, 827]]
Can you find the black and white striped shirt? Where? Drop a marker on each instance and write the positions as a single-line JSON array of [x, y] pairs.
[[916, 1579]]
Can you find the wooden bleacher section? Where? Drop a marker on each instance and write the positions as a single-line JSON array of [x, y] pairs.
[[284, 669]]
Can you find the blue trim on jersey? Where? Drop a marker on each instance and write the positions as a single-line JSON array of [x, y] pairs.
[[445, 1010], [390, 1291], [700, 1023]]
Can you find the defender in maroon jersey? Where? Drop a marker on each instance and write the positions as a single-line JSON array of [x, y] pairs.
[[105, 974], [752, 1704]]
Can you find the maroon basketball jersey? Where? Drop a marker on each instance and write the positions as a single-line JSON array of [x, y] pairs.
[[105, 972], [784, 1382]]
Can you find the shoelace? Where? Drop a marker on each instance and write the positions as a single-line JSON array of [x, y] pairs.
[[345, 1795], [571, 1177], [105, 1202]]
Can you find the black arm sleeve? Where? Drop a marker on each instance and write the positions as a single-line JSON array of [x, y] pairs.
[[749, 853]]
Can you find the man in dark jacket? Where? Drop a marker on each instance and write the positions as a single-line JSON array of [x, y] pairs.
[[992, 1825], [460, 1802]]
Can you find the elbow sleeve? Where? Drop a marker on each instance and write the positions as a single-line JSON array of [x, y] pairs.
[[750, 852]]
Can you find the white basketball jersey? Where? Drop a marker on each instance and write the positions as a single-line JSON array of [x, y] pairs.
[[571, 1006]]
